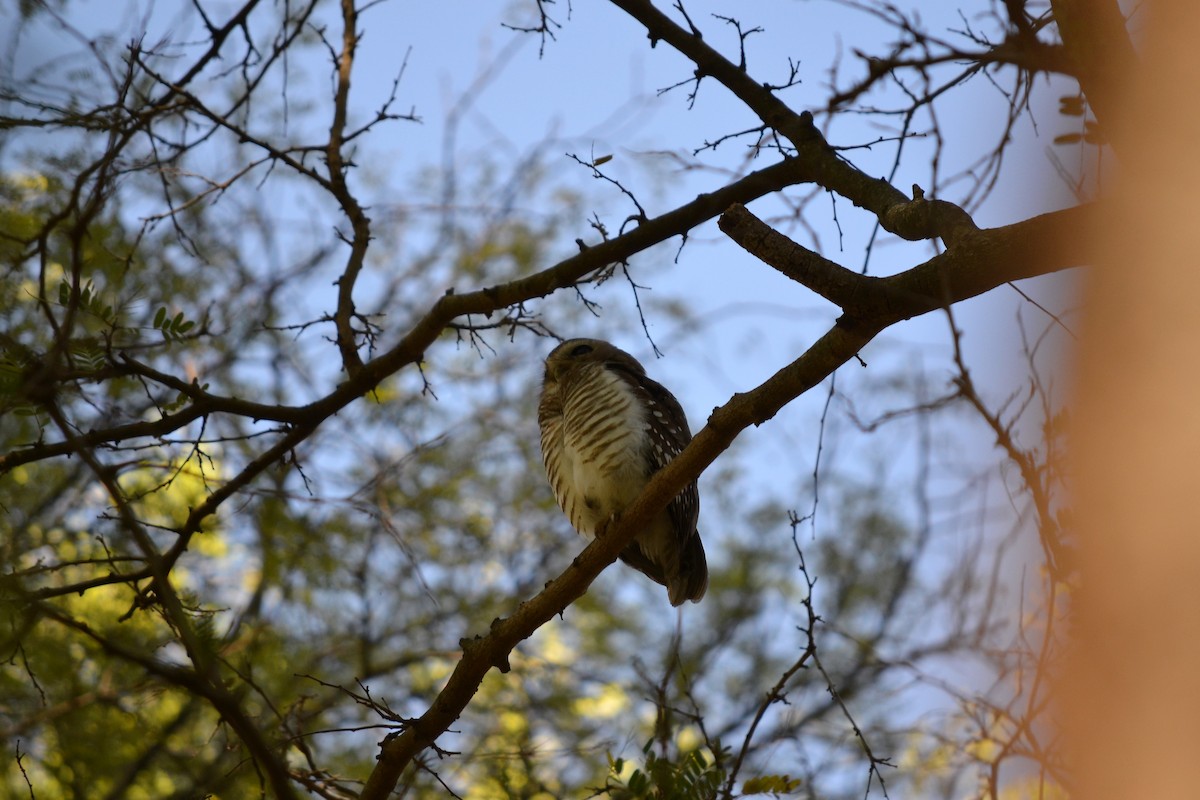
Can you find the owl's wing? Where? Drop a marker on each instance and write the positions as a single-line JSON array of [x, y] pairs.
[[669, 434]]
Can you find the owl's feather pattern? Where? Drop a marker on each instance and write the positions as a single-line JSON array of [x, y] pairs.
[[606, 428]]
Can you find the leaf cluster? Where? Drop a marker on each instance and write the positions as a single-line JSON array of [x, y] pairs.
[[688, 776]]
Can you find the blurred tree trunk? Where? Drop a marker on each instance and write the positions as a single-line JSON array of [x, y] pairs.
[[1132, 691]]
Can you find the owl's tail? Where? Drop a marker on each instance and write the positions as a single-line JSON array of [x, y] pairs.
[[691, 582]]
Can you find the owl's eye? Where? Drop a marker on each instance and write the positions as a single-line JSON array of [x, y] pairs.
[[579, 350]]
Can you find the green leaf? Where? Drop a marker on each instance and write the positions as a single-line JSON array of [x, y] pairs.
[[638, 782], [770, 784]]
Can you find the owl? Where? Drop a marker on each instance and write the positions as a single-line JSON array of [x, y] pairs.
[[606, 428]]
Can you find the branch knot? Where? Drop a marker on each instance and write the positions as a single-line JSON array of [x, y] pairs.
[[924, 218]]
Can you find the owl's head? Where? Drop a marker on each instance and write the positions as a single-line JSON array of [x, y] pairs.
[[574, 353]]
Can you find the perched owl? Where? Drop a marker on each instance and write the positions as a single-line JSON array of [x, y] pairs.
[[606, 428]]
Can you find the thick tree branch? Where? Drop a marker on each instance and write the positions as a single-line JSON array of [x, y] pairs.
[[978, 262], [796, 262]]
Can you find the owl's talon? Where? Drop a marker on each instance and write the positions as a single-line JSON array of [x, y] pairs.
[[605, 524]]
